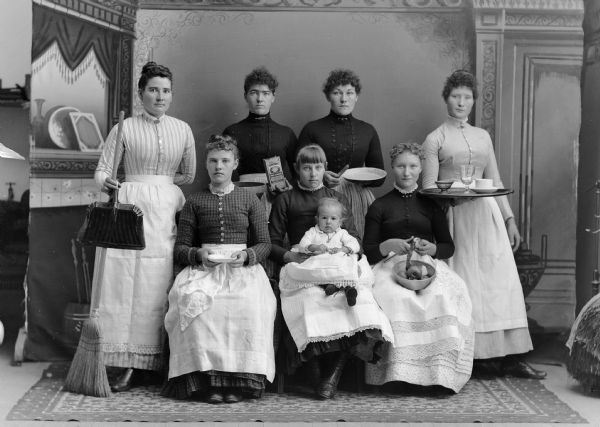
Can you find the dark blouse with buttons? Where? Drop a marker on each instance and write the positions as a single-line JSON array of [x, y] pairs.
[[294, 211], [237, 217], [345, 140], [260, 137], [400, 216]]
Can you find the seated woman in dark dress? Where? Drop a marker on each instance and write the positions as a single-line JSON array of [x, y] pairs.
[[432, 327], [318, 323], [221, 306]]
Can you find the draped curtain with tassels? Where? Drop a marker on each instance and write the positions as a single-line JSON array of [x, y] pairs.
[[74, 38]]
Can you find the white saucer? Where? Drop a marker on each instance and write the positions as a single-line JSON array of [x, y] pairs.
[[220, 259], [485, 190]]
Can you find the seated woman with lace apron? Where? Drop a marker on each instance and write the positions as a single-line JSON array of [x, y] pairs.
[[221, 307]]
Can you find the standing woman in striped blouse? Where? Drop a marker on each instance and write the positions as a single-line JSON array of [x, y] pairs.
[[158, 154]]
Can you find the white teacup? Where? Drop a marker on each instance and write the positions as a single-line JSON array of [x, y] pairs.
[[484, 183]]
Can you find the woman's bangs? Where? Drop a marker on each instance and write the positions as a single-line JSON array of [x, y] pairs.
[[311, 155]]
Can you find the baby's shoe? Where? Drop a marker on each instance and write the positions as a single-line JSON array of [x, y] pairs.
[[330, 289], [351, 294]]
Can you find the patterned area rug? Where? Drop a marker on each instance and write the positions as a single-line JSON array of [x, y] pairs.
[[481, 400]]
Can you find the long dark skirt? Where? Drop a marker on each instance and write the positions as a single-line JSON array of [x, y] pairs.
[[183, 387]]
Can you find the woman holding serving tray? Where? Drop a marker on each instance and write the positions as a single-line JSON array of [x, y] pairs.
[[484, 232]]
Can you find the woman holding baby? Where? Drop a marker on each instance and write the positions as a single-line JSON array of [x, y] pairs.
[[322, 322]]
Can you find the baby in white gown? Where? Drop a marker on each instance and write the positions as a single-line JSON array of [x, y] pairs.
[[334, 261]]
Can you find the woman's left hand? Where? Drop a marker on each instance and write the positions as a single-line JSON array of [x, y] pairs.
[[424, 247], [513, 233], [240, 258]]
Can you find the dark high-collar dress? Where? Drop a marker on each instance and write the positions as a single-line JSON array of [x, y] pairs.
[[260, 137], [293, 214], [347, 140]]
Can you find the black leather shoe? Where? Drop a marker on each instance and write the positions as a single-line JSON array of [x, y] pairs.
[[521, 369], [214, 398], [123, 382], [232, 398]]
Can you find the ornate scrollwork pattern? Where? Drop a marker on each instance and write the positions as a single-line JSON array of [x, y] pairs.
[[529, 4], [544, 20], [75, 167], [488, 87], [302, 4]]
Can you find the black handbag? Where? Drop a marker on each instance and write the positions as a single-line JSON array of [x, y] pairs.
[[112, 224]]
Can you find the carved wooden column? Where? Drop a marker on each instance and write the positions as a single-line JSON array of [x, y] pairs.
[[528, 61], [589, 152]]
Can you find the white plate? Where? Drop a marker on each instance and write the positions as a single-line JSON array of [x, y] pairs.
[[60, 127], [365, 174], [484, 190], [220, 259]]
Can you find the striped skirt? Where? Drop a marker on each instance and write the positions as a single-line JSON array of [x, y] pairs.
[[360, 198]]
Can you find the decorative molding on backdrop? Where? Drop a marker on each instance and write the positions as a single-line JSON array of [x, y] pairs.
[[127, 88], [62, 163], [114, 14], [528, 4], [488, 86], [552, 20], [307, 5]]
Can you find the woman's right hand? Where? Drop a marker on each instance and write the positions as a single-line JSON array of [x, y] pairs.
[[202, 257], [331, 179], [398, 246], [298, 257], [111, 184]]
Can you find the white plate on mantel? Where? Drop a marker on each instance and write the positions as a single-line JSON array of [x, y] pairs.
[[60, 127]]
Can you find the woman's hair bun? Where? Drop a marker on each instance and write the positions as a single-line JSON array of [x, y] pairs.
[[148, 66]]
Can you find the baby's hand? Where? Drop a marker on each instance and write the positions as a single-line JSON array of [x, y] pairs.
[[319, 249]]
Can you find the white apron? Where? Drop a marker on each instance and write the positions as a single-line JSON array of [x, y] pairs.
[[312, 316], [484, 259], [433, 330], [134, 284], [221, 318]]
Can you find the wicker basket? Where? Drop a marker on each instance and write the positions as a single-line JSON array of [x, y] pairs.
[[399, 274]]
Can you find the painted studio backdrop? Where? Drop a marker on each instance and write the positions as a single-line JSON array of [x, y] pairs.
[[86, 62]]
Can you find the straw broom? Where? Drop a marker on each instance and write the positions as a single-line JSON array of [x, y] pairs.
[[87, 374]]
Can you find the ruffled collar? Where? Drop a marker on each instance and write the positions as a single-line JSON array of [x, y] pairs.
[[406, 194], [223, 192], [459, 123], [253, 117], [339, 117], [150, 118], [311, 190]]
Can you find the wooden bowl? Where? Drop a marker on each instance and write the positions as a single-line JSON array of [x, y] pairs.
[[399, 274]]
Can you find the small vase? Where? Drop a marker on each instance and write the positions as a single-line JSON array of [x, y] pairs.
[[37, 123]]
